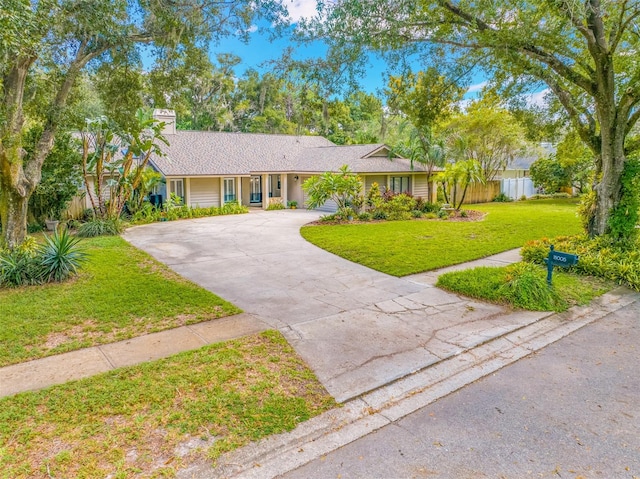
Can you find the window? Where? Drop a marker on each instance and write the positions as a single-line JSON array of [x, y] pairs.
[[177, 187], [229, 190], [399, 184]]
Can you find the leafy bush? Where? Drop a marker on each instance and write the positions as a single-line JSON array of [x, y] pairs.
[[416, 214], [275, 206], [379, 215], [443, 215], [60, 256], [99, 227], [20, 268], [34, 228], [365, 216], [343, 188], [398, 207], [427, 207], [502, 198], [601, 256], [430, 216]]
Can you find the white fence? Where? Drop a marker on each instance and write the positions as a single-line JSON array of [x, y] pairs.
[[515, 188]]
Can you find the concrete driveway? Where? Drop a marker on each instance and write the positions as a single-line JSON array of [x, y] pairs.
[[357, 328]]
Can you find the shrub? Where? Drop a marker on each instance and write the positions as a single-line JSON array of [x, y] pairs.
[[60, 256], [365, 216], [430, 207], [464, 214], [502, 198], [275, 206], [443, 215], [99, 227], [601, 256], [34, 228], [20, 268], [416, 214], [430, 216], [379, 215], [399, 207]]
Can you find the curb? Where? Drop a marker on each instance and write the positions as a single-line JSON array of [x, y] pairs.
[[282, 453]]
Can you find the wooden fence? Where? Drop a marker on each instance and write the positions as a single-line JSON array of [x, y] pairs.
[[479, 193]]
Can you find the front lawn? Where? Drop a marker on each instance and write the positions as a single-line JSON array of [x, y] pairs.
[[120, 293], [400, 248], [153, 419]]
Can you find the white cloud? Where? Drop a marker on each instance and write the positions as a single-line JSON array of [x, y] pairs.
[[477, 87], [252, 28], [299, 9], [538, 98]]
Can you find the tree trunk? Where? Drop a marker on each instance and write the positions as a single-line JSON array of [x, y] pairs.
[[608, 185], [13, 209]]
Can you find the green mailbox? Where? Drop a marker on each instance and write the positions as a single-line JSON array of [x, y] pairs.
[[558, 258]]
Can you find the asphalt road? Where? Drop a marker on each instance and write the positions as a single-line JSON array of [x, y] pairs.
[[572, 410]]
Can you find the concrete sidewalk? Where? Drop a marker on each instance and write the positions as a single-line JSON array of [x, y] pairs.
[[59, 369]]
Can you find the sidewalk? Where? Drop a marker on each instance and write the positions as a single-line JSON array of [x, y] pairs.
[[45, 372]]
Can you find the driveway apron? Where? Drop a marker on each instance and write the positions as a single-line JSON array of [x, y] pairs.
[[357, 328]]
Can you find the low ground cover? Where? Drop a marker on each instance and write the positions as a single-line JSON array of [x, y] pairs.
[[400, 248], [523, 285], [152, 419], [120, 292]]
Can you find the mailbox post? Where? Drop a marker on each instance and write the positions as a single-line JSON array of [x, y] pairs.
[[557, 258]]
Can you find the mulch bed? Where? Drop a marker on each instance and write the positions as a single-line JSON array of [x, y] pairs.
[[470, 215]]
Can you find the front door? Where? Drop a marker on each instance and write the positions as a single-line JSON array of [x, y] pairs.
[[255, 190]]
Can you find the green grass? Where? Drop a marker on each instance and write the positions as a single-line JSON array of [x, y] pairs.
[[524, 286], [131, 422], [400, 248], [120, 293]]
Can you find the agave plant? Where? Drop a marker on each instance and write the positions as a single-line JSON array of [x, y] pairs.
[[60, 256]]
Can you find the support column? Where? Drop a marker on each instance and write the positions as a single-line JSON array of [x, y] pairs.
[[187, 191], [284, 189], [239, 189], [265, 192], [221, 191]]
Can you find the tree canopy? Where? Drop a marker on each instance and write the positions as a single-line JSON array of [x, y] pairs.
[[584, 52], [61, 38]]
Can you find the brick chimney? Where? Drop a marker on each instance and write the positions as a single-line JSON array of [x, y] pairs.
[[168, 117]]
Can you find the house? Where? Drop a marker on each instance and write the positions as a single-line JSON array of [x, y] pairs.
[[212, 168]]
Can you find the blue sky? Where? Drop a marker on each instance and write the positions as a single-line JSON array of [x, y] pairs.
[[260, 50]]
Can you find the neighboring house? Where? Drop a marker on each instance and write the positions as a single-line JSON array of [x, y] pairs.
[[515, 180], [212, 168]]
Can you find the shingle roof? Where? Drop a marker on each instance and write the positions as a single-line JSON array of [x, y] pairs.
[[360, 158], [198, 153], [217, 153]]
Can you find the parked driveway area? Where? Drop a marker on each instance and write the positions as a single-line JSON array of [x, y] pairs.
[[357, 328]]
